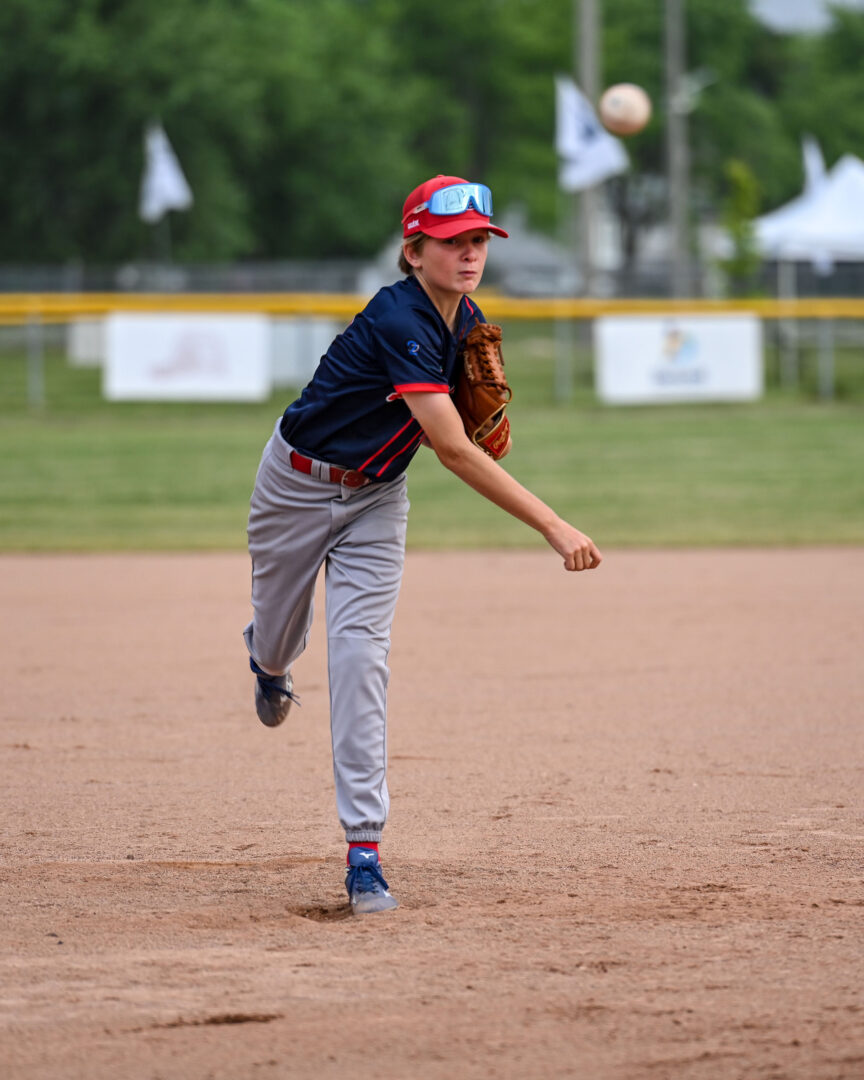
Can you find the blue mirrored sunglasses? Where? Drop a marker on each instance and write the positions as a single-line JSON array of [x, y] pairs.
[[458, 198]]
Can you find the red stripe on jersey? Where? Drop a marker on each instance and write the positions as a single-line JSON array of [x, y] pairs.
[[464, 329], [386, 444], [402, 450], [434, 387]]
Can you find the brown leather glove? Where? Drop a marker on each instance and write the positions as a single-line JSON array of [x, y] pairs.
[[482, 392]]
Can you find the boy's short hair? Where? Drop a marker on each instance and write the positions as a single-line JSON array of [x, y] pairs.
[[416, 242]]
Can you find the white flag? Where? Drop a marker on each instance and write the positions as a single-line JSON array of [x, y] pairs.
[[814, 164], [163, 186], [588, 153]]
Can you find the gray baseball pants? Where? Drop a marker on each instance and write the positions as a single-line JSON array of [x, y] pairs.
[[296, 524]]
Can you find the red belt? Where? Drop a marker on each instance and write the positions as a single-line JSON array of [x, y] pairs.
[[349, 477]]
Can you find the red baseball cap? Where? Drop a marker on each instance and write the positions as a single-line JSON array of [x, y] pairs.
[[418, 218]]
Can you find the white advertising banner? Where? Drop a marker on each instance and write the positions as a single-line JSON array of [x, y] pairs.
[[187, 358], [640, 359], [298, 344]]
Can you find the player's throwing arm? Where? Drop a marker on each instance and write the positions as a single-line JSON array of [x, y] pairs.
[[445, 431]]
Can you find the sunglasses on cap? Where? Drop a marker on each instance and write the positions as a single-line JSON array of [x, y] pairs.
[[456, 199]]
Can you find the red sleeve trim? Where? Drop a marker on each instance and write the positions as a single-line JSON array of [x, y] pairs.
[[427, 387]]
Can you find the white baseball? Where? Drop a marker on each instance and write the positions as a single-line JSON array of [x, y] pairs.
[[625, 108]]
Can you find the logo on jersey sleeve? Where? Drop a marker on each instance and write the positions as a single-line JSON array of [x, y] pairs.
[[413, 347]]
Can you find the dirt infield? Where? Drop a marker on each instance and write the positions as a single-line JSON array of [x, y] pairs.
[[625, 835]]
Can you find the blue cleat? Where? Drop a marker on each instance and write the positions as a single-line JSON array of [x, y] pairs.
[[274, 695], [366, 886]]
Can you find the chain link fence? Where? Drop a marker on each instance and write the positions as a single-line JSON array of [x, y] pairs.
[[45, 357]]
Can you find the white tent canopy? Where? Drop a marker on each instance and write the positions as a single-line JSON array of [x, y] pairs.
[[826, 222]]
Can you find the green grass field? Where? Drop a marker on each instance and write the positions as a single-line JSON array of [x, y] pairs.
[[83, 474]]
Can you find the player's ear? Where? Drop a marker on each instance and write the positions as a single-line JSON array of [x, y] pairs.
[[412, 254]]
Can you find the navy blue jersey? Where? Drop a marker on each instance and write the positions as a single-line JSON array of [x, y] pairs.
[[352, 412]]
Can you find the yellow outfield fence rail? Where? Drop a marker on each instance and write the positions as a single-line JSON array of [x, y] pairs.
[[18, 308], [33, 312]]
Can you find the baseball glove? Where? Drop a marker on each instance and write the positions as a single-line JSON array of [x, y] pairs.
[[482, 393]]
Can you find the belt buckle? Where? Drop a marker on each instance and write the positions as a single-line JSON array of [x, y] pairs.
[[354, 479]]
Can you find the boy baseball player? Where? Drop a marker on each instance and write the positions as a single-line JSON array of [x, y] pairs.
[[330, 490]]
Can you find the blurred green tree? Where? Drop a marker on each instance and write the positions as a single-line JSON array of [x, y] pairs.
[[336, 155], [740, 207], [819, 90], [79, 82], [733, 62], [300, 125]]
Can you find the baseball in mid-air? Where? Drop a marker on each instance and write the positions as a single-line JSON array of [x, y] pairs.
[[625, 109]]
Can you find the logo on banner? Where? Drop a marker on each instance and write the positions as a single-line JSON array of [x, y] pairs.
[[196, 354], [679, 359]]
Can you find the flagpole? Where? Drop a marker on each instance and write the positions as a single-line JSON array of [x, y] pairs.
[[678, 164], [586, 61], [166, 237], [587, 155], [565, 339]]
